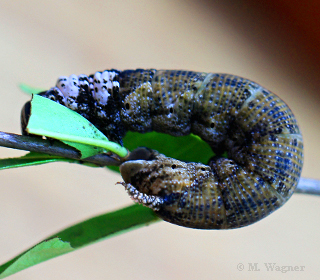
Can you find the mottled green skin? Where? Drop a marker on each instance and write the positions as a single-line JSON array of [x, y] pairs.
[[255, 127]]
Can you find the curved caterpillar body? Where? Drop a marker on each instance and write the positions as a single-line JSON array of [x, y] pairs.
[[254, 126]]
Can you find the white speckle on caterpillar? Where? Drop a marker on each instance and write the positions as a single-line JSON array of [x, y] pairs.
[[68, 86], [103, 84], [100, 85]]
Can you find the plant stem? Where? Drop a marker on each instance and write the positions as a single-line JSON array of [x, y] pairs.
[[51, 147], [308, 186]]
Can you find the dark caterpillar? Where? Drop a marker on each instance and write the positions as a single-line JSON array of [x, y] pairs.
[[255, 127]]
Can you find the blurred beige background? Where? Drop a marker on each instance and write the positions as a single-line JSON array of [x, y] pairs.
[[41, 40]]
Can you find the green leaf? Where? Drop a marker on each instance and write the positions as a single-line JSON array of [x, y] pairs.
[[108, 225], [43, 251], [80, 235], [30, 159], [30, 90], [53, 120], [186, 148]]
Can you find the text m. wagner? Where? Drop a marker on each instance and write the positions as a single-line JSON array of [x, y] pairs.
[[276, 267]]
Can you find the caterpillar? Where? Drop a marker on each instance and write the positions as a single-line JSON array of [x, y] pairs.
[[255, 127]]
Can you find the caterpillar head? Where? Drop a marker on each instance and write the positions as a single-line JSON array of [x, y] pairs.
[[161, 182]]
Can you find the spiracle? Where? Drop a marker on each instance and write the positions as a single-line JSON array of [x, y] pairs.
[[232, 114]]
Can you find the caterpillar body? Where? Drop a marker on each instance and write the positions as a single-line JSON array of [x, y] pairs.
[[232, 114]]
